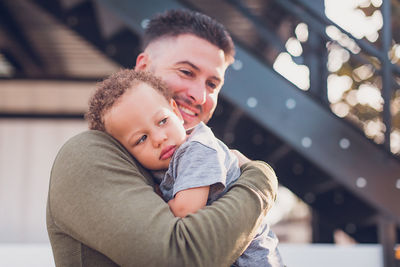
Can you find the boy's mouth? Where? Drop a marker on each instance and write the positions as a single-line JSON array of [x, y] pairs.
[[167, 152]]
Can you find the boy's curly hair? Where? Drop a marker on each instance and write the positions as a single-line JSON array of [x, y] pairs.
[[112, 88]]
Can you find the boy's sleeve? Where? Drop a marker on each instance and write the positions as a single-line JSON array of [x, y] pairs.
[[198, 165], [99, 198]]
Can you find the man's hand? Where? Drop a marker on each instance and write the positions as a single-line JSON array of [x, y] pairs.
[[241, 158]]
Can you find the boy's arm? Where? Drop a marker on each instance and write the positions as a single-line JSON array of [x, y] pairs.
[[195, 168], [189, 201]]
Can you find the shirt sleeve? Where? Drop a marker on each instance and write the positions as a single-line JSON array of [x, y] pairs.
[[198, 165], [100, 197]]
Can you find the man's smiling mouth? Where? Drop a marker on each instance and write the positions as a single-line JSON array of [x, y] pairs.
[[187, 111]]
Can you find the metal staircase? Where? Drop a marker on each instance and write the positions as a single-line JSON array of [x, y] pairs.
[[350, 182]]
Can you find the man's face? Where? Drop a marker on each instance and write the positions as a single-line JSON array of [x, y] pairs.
[[149, 127], [193, 69]]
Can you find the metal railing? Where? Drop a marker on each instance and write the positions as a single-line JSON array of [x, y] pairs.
[[317, 23]]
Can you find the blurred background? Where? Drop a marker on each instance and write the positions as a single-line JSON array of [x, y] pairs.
[[314, 91]]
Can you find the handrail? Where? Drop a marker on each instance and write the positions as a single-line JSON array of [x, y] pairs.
[[386, 73], [386, 65], [318, 23], [363, 44], [260, 26]]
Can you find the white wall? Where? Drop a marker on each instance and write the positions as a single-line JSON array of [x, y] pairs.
[[27, 151], [330, 255]]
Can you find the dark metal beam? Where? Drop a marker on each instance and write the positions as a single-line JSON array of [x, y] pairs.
[[133, 16], [262, 29], [16, 33], [386, 71], [322, 230], [90, 21], [45, 77], [15, 64], [387, 237], [49, 116], [315, 60]]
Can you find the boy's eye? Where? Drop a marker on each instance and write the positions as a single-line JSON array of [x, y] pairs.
[[163, 121], [141, 139]]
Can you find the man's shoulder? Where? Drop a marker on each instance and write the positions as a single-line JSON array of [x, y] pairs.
[[90, 139], [94, 151], [92, 145], [88, 136]]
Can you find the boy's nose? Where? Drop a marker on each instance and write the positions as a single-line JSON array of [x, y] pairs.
[[158, 138]]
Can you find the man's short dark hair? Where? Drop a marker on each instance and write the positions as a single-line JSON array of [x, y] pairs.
[[173, 23]]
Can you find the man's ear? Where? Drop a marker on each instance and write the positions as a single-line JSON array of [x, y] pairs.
[[142, 61], [175, 109]]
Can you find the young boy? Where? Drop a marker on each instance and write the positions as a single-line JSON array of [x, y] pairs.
[[195, 169]]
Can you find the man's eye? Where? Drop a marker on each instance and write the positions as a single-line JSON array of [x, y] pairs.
[[186, 72], [163, 121], [141, 140], [211, 85]]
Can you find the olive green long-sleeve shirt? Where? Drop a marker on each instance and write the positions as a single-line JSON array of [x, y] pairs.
[[102, 211]]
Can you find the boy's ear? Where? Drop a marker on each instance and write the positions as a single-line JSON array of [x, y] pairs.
[[175, 109], [142, 61]]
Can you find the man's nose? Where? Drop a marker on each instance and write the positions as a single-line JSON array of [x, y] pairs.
[[197, 93]]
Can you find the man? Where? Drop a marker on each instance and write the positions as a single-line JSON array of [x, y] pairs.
[[102, 209]]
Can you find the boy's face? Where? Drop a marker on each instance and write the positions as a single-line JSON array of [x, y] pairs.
[[149, 127], [194, 70]]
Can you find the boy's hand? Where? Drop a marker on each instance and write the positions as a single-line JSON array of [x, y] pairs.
[[241, 158]]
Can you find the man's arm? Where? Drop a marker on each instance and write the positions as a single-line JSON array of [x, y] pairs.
[[99, 197]]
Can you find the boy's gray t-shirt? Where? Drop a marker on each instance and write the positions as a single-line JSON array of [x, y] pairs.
[[203, 160], [207, 162]]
